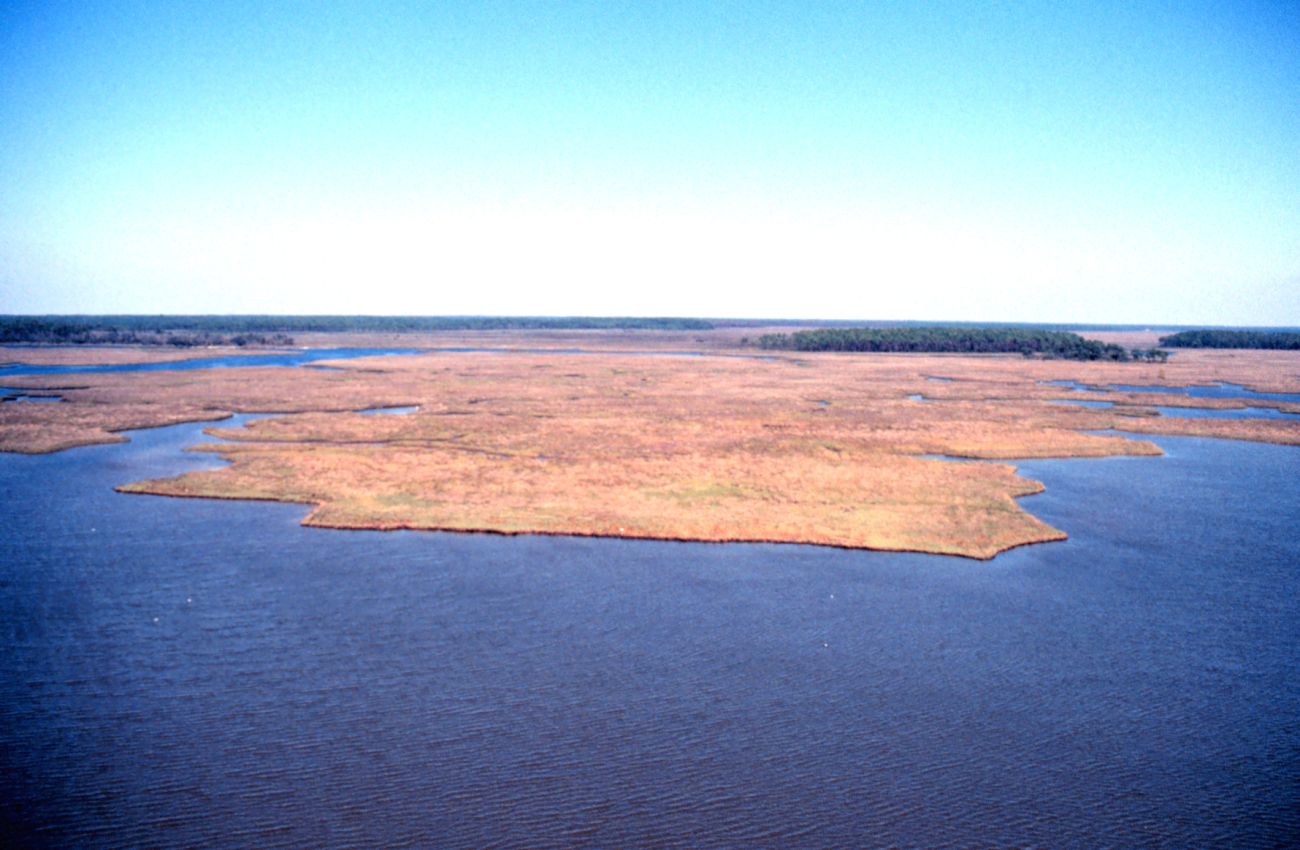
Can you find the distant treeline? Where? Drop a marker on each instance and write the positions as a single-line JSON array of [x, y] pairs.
[[174, 329], [55, 332], [1056, 344], [1232, 339]]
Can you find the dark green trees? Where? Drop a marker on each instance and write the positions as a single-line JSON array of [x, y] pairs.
[[1233, 339], [1029, 342]]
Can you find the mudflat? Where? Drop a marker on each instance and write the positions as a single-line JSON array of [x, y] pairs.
[[832, 449]]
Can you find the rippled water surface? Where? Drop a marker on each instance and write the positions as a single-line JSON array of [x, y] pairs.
[[195, 673]]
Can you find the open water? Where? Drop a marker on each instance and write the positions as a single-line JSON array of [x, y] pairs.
[[294, 357], [199, 673], [1192, 412], [1219, 390], [311, 356]]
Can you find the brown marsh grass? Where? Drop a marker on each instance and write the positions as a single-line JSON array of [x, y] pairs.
[[818, 448]]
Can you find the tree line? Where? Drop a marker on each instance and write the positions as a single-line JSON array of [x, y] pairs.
[[1233, 339], [274, 330], [68, 328], [1029, 342], [57, 332]]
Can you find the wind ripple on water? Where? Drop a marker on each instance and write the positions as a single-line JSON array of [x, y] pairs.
[[169, 683]]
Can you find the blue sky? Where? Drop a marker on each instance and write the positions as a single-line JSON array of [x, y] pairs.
[[1090, 162]]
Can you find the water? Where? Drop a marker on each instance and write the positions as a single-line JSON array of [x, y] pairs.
[[1197, 412], [1216, 391], [1096, 405], [209, 673], [1239, 413], [392, 411], [628, 352], [309, 357], [281, 358], [8, 394]]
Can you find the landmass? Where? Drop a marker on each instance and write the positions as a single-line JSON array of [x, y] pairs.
[[730, 443], [1281, 340], [1025, 341]]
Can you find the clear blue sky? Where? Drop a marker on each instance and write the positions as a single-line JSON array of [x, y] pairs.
[[1092, 162]]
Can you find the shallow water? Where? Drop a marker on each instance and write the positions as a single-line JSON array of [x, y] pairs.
[[1195, 412], [209, 673], [1240, 413], [614, 351], [390, 411], [282, 358], [10, 395], [1097, 405], [310, 356], [1217, 391]]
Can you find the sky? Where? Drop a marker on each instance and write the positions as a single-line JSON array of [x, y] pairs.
[[1096, 162]]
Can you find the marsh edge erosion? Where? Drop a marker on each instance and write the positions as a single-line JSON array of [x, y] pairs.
[[804, 447]]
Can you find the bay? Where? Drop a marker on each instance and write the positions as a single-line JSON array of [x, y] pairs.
[[210, 673]]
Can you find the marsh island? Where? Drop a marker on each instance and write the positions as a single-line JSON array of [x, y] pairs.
[[665, 434]]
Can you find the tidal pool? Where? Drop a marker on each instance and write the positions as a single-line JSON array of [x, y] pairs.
[[209, 673]]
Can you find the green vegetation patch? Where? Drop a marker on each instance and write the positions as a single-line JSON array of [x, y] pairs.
[[1029, 342], [271, 330], [1278, 340]]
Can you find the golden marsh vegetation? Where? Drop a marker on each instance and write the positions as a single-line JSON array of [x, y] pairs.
[[813, 448]]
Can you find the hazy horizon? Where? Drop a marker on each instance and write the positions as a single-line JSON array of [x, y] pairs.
[[720, 321], [1086, 163]]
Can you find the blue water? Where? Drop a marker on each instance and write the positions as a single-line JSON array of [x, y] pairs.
[[283, 358], [392, 411], [1217, 391], [1240, 413], [1073, 385], [308, 356], [1096, 405], [201, 673], [628, 352], [7, 394], [1197, 412]]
